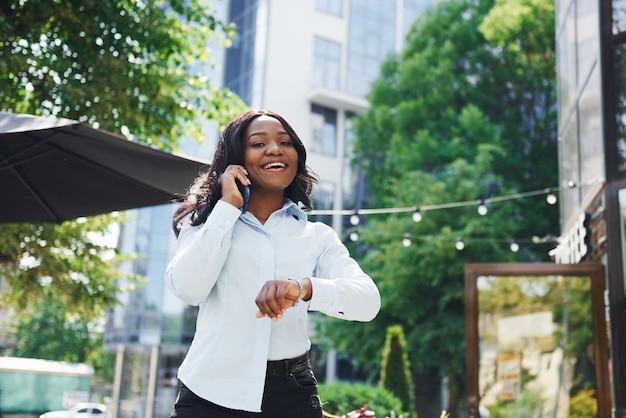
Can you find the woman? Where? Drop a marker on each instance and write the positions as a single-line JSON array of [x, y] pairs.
[[255, 275]]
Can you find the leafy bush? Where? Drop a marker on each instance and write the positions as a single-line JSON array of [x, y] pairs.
[[526, 406], [341, 398], [583, 404]]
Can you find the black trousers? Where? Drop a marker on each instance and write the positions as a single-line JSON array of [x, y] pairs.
[[290, 392]]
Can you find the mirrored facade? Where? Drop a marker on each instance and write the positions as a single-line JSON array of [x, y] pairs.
[[591, 47]]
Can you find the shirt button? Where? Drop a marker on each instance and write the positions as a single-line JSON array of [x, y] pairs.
[[325, 304], [227, 222]]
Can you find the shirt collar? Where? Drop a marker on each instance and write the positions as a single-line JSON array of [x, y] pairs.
[[294, 210]]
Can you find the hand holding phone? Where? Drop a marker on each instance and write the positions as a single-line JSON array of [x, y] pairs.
[[245, 193]]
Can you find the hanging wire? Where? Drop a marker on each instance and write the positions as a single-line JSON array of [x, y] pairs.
[[450, 205], [514, 243]]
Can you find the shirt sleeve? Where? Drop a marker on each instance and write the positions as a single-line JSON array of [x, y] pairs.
[[340, 287], [200, 254]]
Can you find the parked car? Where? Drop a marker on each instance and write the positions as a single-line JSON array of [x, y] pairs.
[[80, 410]]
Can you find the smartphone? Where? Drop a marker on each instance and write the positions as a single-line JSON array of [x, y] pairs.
[[245, 193]]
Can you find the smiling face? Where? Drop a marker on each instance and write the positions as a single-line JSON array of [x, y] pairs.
[[270, 156]]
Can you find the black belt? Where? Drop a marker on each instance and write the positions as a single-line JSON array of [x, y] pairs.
[[277, 368]]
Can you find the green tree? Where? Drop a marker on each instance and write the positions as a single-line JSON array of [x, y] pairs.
[[462, 114], [103, 362], [45, 331], [64, 262], [139, 69], [130, 66], [395, 374]]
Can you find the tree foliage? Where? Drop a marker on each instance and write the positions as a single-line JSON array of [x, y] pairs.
[[341, 398], [465, 112], [134, 68], [584, 404], [64, 262], [45, 331]]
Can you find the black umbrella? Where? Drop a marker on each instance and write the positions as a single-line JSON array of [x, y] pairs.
[[54, 169]]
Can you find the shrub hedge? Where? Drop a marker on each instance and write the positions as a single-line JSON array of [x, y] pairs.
[[341, 398]]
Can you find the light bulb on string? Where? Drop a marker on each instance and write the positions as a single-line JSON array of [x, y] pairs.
[[550, 197], [459, 244], [406, 241], [514, 246], [482, 208], [417, 215], [483, 202], [354, 219], [354, 236]]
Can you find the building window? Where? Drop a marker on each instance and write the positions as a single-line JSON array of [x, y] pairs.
[[619, 51], [331, 7], [326, 64], [620, 67], [570, 170], [587, 53], [412, 9], [324, 124], [622, 221], [590, 129], [348, 176], [240, 65], [619, 16], [371, 37], [566, 66]]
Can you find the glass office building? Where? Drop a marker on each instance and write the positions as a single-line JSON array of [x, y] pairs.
[[591, 41]]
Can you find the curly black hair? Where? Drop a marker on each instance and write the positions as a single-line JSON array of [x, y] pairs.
[[205, 190]]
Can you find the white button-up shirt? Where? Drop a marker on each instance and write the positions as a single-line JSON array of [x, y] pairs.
[[222, 264]]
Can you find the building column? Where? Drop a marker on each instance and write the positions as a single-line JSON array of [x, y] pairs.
[[331, 366], [117, 380], [152, 379]]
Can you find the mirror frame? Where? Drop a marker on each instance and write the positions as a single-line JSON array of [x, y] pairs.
[[596, 273]]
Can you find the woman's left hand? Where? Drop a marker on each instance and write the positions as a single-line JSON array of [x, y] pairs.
[[275, 297]]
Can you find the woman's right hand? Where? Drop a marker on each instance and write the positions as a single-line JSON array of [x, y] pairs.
[[230, 191]]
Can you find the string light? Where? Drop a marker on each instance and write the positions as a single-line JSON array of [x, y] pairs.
[[482, 208], [417, 215], [406, 240], [541, 240], [450, 205], [460, 243]]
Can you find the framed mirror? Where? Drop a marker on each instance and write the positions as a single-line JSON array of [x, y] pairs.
[[536, 340]]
